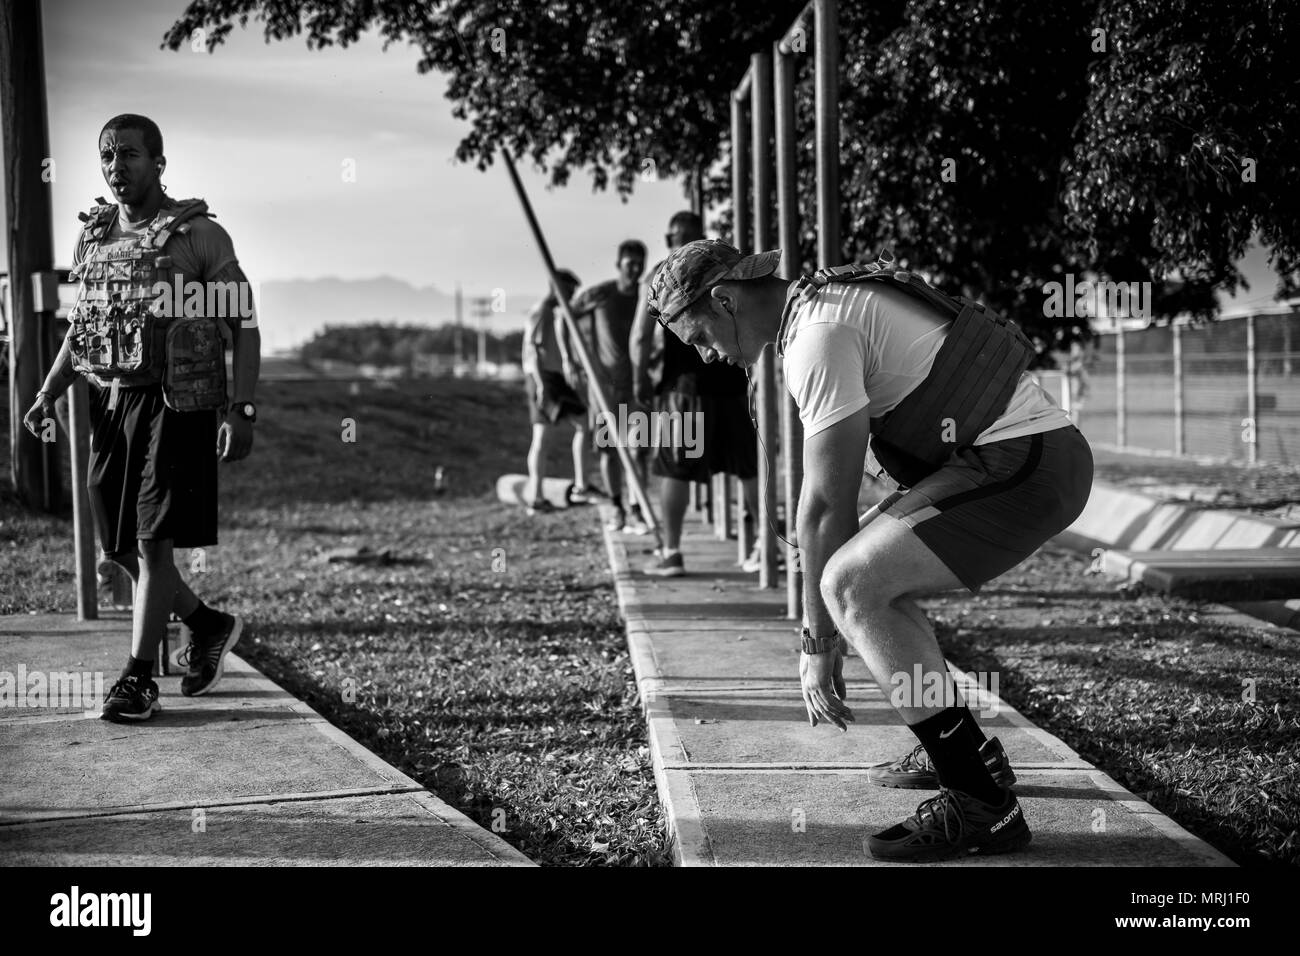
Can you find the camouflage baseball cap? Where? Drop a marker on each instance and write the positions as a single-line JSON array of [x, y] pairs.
[[693, 269]]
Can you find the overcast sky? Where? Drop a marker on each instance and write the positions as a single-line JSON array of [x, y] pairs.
[[262, 131]]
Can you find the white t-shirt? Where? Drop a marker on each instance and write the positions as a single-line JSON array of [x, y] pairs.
[[854, 346]]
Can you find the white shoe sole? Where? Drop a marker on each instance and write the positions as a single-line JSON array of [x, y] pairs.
[[154, 708]]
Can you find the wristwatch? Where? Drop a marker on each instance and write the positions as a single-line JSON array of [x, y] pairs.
[[818, 645], [246, 410]]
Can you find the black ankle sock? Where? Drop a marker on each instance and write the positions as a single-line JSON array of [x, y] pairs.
[[135, 667], [203, 620], [955, 756]]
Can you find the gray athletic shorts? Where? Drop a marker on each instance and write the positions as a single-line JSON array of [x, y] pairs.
[[992, 506]]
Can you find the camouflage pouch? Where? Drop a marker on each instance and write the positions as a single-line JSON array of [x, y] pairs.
[[195, 377]]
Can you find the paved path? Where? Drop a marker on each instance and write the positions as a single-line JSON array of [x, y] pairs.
[[745, 780], [248, 775]]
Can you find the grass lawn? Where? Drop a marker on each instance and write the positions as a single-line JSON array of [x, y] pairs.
[[485, 657]]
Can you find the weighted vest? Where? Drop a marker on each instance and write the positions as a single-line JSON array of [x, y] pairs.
[[973, 377], [120, 331]]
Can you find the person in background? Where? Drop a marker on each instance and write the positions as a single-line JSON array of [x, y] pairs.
[[673, 378], [611, 306], [549, 378]]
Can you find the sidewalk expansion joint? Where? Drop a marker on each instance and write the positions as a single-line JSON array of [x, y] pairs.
[[265, 798]]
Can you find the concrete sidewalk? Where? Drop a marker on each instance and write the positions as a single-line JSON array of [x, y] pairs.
[[248, 775], [746, 781]]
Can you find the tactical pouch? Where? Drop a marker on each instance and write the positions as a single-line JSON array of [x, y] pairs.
[[112, 341], [195, 376]]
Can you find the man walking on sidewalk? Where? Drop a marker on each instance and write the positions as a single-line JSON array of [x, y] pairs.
[[158, 388], [672, 377], [989, 469]]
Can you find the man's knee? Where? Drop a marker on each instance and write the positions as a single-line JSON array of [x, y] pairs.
[[854, 585]]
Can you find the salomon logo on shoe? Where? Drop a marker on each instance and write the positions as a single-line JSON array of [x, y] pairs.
[[1015, 812]]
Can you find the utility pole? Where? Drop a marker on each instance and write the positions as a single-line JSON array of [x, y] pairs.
[[29, 170], [459, 325]]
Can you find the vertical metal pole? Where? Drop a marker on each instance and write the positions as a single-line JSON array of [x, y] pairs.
[[826, 83], [722, 516], [787, 199], [82, 528], [722, 506], [760, 71], [1179, 431], [1252, 393], [1120, 423]]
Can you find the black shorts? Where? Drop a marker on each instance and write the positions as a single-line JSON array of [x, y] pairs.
[[992, 506], [152, 471], [725, 440], [558, 400]]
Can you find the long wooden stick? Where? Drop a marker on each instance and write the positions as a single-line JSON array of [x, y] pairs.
[[584, 357]]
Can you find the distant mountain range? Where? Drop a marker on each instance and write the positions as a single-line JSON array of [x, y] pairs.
[[291, 311]]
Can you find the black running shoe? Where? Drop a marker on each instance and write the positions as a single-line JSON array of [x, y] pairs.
[[131, 699], [915, 772], [950, 825], [204, 656]]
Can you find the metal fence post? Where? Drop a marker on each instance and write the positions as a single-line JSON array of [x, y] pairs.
[[1120, 424], [788, 231], [760, 103], [1252, 393], [1179, 432]]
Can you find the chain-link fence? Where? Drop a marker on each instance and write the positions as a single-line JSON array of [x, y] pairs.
[[1226, 390]]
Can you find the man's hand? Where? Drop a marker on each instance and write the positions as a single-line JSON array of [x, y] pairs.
[[42, 408], [234, 437], [821, 678]]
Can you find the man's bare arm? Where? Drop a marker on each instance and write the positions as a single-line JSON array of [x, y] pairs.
[[828, 505], [246, 339], [61, 374], [641, 341]]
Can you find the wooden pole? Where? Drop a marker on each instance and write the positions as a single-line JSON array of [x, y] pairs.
[[31, 242], [787, 198], [594, 380], [83, 529], [761, 125]]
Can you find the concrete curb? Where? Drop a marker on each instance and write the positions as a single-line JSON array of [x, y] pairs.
[[690, 846], [1118, 517], [386, 781], [689, 781]]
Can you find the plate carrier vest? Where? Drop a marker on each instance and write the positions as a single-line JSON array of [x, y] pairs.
[[118, 334], [973, 377]]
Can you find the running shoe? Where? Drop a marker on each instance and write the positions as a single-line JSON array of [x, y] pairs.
[[616, 523], [131, 699], [915, 772], [950, 825], [539, 507], [204, 657], [662, 567], [636, 523]]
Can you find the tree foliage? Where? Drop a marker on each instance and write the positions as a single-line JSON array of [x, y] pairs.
[[995, 144]]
